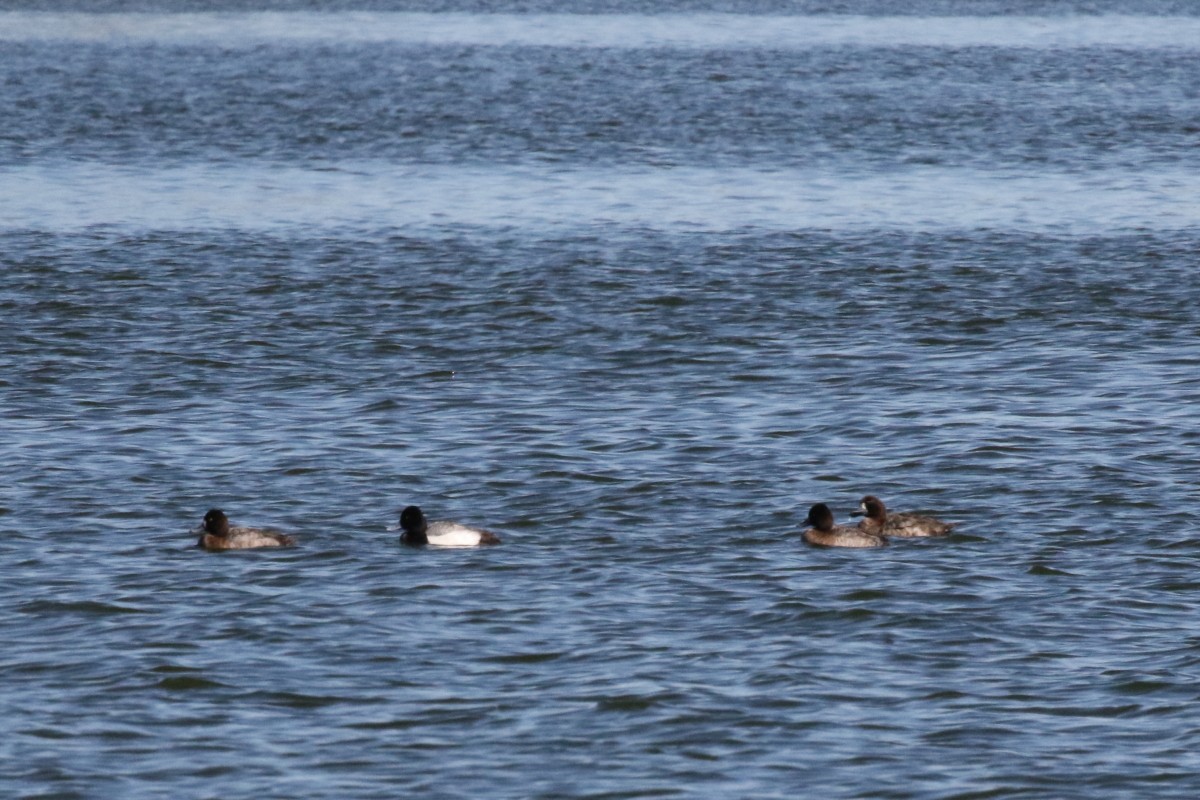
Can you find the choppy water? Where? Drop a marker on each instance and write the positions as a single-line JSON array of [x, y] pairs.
[[633, 291]]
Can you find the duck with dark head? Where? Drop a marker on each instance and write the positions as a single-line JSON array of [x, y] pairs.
[[441, 533], [217, 534], [876, 519], [824, 533]]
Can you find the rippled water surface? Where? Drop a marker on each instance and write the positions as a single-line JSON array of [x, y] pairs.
[[634, 291]]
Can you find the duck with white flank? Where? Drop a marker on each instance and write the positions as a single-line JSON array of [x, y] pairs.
[[418, 531]]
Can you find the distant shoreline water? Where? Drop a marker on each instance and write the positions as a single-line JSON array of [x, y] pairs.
[[257, 195], [636, 31]]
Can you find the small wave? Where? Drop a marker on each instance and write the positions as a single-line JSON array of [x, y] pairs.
[[88, 607]]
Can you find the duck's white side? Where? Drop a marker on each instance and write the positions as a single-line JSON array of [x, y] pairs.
[[452, 534]]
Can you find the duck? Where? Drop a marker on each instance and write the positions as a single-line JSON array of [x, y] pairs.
[[216, 534], [441, 533], [876, 519], [824, 533]]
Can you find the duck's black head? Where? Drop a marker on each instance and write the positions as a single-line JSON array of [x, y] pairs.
[[216, 523], [820, 517], [412, 521]]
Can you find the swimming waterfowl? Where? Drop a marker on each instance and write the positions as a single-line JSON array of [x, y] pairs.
[[216, 534], [824, 533], [441, 533], [876, 519]]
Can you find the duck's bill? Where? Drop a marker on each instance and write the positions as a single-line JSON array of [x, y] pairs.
[[858, 513], [395, 527]]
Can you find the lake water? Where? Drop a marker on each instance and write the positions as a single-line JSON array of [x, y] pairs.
[[633, 289]]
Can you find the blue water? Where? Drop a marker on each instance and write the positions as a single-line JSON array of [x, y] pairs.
[[633, 290]]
